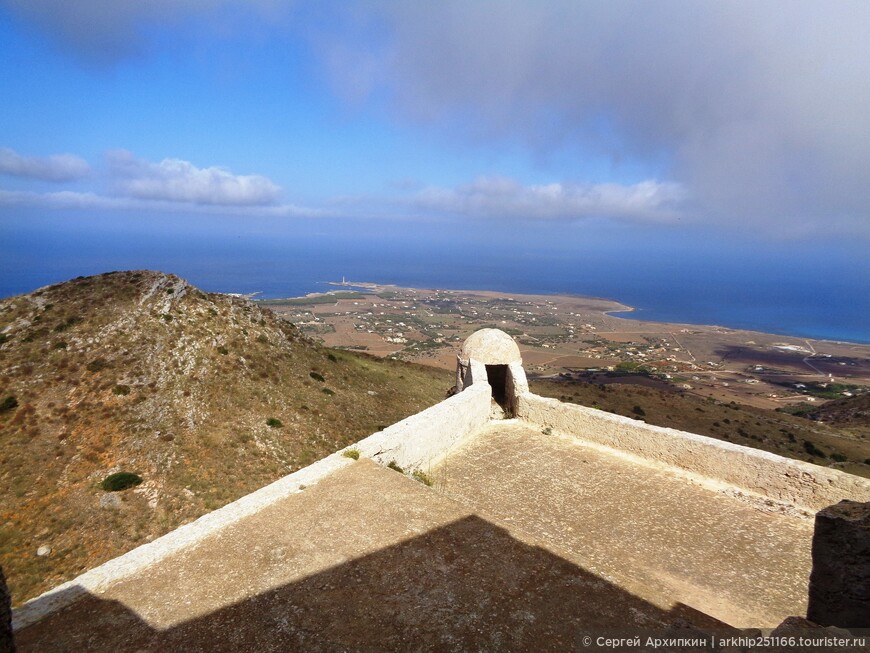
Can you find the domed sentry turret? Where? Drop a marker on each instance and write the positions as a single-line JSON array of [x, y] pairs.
[[492, 356]]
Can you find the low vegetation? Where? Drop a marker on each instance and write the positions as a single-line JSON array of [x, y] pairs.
[[185, 402], [330, 298], [120, 481], [422, 476]]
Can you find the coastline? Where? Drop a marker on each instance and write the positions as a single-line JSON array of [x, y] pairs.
[[620, 311], [562, 335]]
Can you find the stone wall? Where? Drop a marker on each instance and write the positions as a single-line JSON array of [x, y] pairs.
[[793, 482], [421, 440], [414, 443]]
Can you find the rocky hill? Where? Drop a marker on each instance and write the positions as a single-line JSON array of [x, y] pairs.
[[846, 412], [204, 397]]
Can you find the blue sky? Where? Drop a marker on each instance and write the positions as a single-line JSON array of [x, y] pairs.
[[739, 123]]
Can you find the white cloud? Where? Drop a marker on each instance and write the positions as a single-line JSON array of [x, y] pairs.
[[759, 109], [175, 180], [506, 198], [57, 167], [90, 200], [173, 186], [61, 199]]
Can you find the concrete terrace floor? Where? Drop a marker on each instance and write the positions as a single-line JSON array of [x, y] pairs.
[[658, 533], [527, 542]]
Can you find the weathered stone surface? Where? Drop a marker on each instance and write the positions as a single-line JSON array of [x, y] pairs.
[[648, 529], [365, 560], [824, 638], [537, 533], [490, 347], [792, 483], [6, 643], [840, 580], [110, 502]]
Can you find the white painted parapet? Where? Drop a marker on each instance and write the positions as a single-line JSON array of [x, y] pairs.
[[183, 537], [417, 442], [519, 385], [768, 475], [420, 441]]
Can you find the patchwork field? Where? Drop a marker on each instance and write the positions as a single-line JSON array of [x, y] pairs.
[[567, 335]]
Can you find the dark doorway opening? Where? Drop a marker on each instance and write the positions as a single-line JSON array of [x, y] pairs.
[[497, 377]]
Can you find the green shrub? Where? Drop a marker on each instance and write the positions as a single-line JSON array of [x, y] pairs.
[[60, 344], [637, 410], [813, 450], [97, 365], [395, 466], [327, 391], [70, 321], [330, 356], [223, 350], [166, 317], [4, 338], [8, 404], [838, 457], [547, 430], [121, 390], [317, 376], [351, 453], [274, 423], [120, 481], [423, 477]]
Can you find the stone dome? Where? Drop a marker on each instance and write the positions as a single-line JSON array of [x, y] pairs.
[[490, 347]]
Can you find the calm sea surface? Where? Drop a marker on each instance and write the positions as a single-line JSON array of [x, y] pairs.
[[791, 293]]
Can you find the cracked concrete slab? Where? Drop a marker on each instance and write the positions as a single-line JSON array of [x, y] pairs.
[[366, 560], [650, 529]]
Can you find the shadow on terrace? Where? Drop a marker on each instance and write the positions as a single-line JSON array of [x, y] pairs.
[[467, 585]]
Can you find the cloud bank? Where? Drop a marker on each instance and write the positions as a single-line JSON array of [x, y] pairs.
[[57, 167], [170, 186], [106, 31], [64, 200], [501, 197], [755, 109], [758, 109], [175, 180]]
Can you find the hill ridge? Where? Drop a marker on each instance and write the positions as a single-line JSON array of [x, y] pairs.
[[205, 396]]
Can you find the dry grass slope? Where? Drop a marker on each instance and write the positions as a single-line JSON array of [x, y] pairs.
[[205, 396]]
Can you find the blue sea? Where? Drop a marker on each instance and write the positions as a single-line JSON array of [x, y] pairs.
[[801, 289]]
